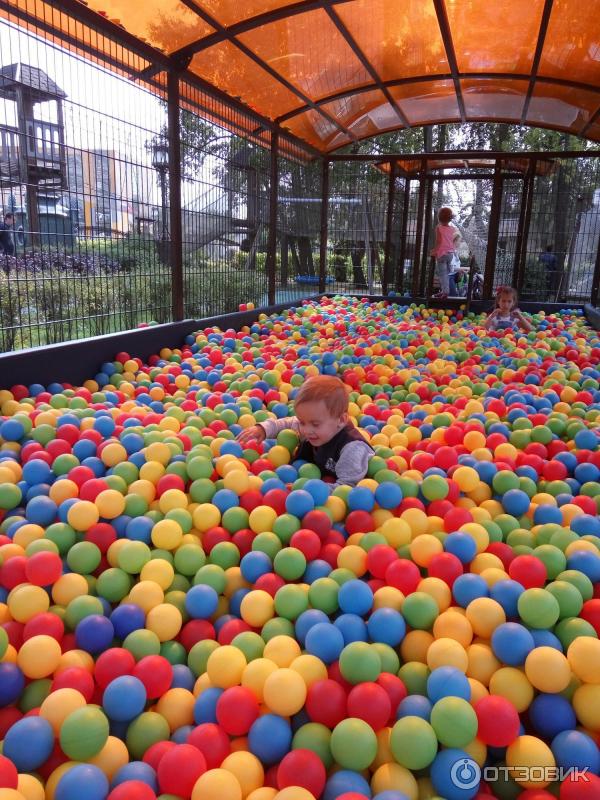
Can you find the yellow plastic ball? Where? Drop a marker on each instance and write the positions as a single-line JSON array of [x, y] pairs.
[[256, 673], [415, 646], [482, 663], [177, 707], [467, 478], [217, 784], [165, 621], [548, 670], [39, 656], [485, 615], [59, 704], [257, 608], [453, 625], [294, 793], [167, 534], [68, 587], [526, 752], [113, 757], [514, 685], [30, 787], [159, 571], [146, 595], [225, 666], [423, 548], [447, 652], [282, 650], [110, 503], [25, 601], [584, 659], [586, 704], [172, 499], [82, 515], [394, 777], [247, 769], [206, 516], [262, 519], [284, 692], [310, 668]]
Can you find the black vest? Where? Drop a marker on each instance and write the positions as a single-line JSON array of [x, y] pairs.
[[326, 456]]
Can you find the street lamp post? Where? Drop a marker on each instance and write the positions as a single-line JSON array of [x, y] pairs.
[[160, 162]]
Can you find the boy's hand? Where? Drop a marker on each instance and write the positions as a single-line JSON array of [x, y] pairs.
[[255, 433]]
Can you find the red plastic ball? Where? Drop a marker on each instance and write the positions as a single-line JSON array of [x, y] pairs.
[[44, 624], [591, 613], [156, 673], [237, 708], [112, 664], [359, 522], [498, 721], [213, 743], [179, 769], [317, 521], [573, 788], [445, 566], [529, 571], [308, 542], [371, 703], [326, 703], [44, 568], [196, 630], [132, 790], [9, 777], [156, 751], [404, 575], [302, 768], [75, 678], [379, 558]]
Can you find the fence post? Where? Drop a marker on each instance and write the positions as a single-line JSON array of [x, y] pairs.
[[324, 224], [416, 276], [595, 279], [385, 283], [427, 268], [523, 232], [492, 245], [273, 201], [175, 226], [402, 254]]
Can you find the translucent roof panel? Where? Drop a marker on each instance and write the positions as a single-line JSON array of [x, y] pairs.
[[338, 71], [167, 24], [399, 42], [487, 37]]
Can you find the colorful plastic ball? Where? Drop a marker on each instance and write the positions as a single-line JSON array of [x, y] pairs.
[[28, 743], [353, 744], [284, 692], [461, 545], [326, 703], [346, 782], [455, 775], [371, 703], [324, 641], [302, 768], [529, 751], [179, 769], [414, 705], [9, 776], [584, 659], [447, 682], [299, 502], [550, 714], [538, 608], [498, 721], [132, 790], [413, 742], [355, 597], [529, 571], [388, 495], [94, 633], [124, 698], [386, 625], [82, 780], [574, 749], [420, 610], [84, 733], [454, 721], [217, 784], [12, 683], [201, 601], [212, 741], [237, 708], [359, 662], [512, 643], [548, 669], [269, 738]]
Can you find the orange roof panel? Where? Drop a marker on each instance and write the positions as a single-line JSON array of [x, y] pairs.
[[495, 37], [572, 44], [309, 52], [400, 41], [427, 101], [562, 107], [494, 99], [228, 12], [166, 24]]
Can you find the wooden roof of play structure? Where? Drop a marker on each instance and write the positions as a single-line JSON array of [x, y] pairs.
[[331, 72]]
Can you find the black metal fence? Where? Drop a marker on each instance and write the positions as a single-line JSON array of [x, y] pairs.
[[135, 202]]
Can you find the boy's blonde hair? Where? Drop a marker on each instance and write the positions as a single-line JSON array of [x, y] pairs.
[[445, 214], [326, 388]]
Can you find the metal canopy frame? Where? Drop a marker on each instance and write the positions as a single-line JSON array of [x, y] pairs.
[[157, 61]]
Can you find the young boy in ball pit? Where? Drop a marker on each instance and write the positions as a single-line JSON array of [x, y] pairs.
[[327, 437]]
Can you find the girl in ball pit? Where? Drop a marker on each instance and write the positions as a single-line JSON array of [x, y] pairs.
[[327, 437], [506, 315]]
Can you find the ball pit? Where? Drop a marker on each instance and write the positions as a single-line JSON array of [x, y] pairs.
[[183, 616]]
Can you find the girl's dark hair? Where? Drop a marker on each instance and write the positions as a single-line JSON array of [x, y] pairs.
[[506, 290], [445, 214]]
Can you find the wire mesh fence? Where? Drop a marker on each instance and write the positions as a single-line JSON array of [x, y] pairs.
[[102, 232]]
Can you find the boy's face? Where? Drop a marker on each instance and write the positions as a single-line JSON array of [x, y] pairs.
[[317, 425]]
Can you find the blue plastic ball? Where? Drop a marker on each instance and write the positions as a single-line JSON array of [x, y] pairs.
[[318, 489], [386, 625], [469, 587], [306, 621], [270, 738], [126, 619], [352, 627], [512, 643], [516, 502], [28, 743], [82, 780], [41, 510], [205, 707], [455, 775], [124, 698], [299, 502], [360, 499], [388, 495], [507, 594], [461, 545], [355, 597], [550, 714], [448, 682], [201, 601], [12, 683], [345, 781], [576, 749], [94, 633], [325, 642], [255, 564], [415, 705], [136, 771], [586, 440]]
